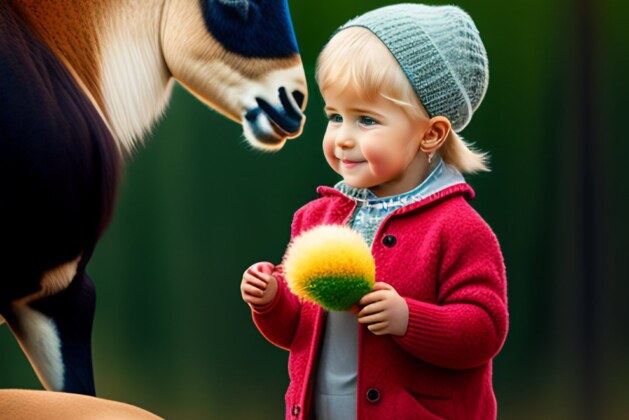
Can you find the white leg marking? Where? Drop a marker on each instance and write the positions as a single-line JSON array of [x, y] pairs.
[[39, 339]]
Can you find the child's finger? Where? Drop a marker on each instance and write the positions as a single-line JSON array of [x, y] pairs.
[[370, 309], [264, 267], [251, 271], [255, 301], [371, 319], [372, 297], [259, 275], [258, 285], [380, 285], [379, 328], [255, 282], [250, 290]]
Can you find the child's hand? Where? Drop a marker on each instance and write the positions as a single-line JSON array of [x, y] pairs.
[[384, 310], [258, 287]]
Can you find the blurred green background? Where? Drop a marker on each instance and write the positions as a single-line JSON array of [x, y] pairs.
[[198, 206]]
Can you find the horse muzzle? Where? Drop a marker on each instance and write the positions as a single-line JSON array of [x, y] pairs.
[[271, 123]]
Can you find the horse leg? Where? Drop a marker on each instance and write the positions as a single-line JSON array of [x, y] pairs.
[[55, 333]]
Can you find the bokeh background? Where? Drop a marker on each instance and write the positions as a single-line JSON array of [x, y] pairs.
[[198, 206]]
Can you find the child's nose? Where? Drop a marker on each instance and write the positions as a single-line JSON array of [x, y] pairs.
[[345, 143], [345, 138]]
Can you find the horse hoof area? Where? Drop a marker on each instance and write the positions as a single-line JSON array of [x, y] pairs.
[[20, 404]]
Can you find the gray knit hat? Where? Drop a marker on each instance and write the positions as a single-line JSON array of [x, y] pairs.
[[441, 53]]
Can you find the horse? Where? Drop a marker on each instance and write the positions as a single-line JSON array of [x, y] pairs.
[[81, 83]]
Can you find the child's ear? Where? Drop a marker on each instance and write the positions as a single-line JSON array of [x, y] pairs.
[[436, 134]]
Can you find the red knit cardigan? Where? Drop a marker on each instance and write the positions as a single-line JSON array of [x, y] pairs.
[[446, 262]]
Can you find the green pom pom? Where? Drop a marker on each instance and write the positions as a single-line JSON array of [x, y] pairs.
[[337, 293]]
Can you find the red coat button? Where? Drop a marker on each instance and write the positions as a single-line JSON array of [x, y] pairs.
[[389, 241], [373, 395]]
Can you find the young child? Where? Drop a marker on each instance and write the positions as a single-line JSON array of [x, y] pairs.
[[398, 83]]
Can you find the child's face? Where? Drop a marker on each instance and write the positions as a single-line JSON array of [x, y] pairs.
[[373, 143]]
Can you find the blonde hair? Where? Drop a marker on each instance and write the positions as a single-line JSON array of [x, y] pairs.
[[355, 58]]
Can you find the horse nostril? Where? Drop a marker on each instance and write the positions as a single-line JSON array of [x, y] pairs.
[[299, 98], [252, 114]]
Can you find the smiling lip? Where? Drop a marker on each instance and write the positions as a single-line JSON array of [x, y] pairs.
[[349, 164]]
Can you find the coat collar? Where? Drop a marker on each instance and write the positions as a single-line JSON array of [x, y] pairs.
[[463, 189], [441, 177], [444, 181]]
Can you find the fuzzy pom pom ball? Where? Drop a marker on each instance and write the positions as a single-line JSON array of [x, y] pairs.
[[330, 265]]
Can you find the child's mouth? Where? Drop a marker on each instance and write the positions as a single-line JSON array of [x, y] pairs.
[[349, 164]]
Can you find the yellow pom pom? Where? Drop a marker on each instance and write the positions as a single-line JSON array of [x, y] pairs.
[[330, 265]]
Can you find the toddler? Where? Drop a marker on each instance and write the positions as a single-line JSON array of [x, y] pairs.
[[398, 82]]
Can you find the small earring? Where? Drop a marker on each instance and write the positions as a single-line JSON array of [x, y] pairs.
[[430, 155]]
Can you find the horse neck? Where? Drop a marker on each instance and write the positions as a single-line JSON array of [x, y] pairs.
[[112, 48]]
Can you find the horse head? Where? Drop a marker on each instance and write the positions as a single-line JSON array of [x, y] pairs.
[[241, 58]]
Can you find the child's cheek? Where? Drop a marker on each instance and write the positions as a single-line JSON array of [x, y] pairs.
[[377, 162], [328, 152]]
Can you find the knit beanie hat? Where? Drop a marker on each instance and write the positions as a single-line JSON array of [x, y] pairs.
[[441, 53]]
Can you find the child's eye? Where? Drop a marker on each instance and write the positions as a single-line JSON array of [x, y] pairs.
[[335, 118], [367, 121]]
